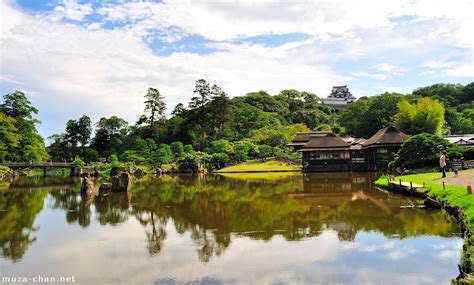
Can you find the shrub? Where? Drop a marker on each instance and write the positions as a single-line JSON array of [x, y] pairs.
[[112, 159], [421, 150], [78, 163], [219, 160]]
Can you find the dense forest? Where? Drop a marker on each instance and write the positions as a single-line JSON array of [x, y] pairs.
[[219, 129]]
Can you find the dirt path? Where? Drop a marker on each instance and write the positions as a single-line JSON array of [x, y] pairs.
[[463, 179]]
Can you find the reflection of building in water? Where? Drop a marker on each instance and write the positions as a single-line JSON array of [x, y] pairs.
[[345, 232], [338, 182]]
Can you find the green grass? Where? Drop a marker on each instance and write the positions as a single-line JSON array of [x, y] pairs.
[[259, 166], [258, 176], [453, 195]]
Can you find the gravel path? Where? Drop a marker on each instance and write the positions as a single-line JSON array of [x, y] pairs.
[[463, 179]]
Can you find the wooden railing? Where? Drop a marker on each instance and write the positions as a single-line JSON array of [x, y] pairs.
[[35, 164], [458, 164]]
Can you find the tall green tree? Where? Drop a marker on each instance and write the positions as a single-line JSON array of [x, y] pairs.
[[31, 145], [154, 106], [9, 136], [365, 117], [425, 116]]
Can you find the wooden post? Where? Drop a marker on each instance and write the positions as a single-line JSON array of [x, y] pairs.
[[400, 181], [469, 189], [424, 186], [411, 185], [444, 186]]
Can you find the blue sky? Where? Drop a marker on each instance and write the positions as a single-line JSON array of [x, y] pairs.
[[99, 57]]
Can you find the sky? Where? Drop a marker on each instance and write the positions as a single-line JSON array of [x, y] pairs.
[[98, 58]]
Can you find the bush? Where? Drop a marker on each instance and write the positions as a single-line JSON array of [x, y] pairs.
[[78, 163], [219, 160], [192, 161], [4, 169], [112, 159], [91, 155], [132, 156], [265, 151], [421, 150]]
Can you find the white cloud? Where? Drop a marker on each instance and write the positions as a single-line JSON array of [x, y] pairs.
[[389, 68], [71, 10], [76, 70], [378, 76]]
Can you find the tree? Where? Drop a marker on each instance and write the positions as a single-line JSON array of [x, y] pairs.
[[9, 136], [179, 110], [265, 151], [364, 118], [31, 145], [177, 148], [221, 146], [154, 105], [219, 160], [277, 135], [163, 155], [109, 135], [244, 149], [421, 150], [425, 116]]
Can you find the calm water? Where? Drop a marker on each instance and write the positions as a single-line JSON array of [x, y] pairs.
[[259, 228]]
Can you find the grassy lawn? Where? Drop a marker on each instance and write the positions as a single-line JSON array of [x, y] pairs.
[[258, 176], [452, 194], [259, 166]]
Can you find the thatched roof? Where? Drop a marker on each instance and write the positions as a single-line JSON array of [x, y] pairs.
[[325, 142], [306, 136], [388, 135]]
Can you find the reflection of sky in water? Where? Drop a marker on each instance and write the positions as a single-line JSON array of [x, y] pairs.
[[118, 254]]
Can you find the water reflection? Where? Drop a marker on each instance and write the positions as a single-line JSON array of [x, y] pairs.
[[216, 211]]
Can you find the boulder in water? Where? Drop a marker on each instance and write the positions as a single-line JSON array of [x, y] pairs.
[[122, 183], [88, 186]]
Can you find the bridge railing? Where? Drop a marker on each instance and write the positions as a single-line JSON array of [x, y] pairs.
[[35, 164]]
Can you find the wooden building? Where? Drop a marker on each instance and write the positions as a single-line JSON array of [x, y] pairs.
[[325, 152]]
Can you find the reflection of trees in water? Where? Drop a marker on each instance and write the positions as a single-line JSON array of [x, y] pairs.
[[17, 215], [212, 209], [155, 229], [77, 207]]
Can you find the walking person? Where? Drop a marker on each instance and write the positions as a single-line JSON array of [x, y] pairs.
[[442, 162]]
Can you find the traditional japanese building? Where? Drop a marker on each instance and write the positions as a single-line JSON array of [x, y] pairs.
[[340, 97], [325, 152]]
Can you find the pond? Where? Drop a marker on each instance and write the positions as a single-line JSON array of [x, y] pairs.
[[237, 228]]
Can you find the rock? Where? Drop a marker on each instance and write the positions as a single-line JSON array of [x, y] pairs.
[[122, 183], [75, 171], [87, 186], [105, 187], [115, 171], [84, 175], [97, 173], [139, 173], [159, 171], [431, 203]]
